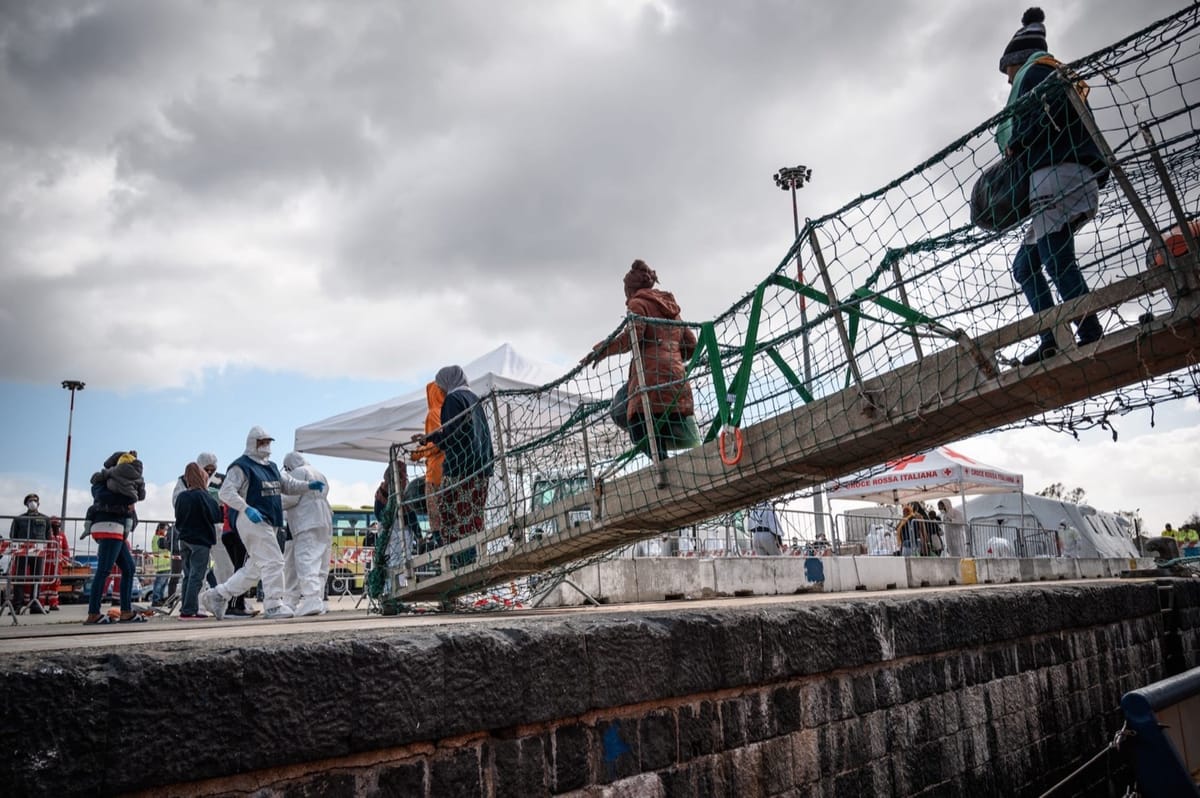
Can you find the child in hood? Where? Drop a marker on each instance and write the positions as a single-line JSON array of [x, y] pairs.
[[122, 475]]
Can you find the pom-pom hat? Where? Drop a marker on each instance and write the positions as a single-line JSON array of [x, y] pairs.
[[1029, 39]]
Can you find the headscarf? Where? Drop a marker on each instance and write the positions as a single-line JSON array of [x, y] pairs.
[[195, 477], [451, 377], [639, 276]]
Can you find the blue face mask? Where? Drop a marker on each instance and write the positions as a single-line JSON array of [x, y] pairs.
[[31, 505]]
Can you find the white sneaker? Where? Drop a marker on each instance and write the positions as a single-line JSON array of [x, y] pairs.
[[310, 605], [214, 602], [277, 613]]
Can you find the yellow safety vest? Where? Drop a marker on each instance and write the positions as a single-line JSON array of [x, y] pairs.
[[162, 561]]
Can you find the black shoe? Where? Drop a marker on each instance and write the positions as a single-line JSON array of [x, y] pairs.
[[36, 609], [1048, 348], [1090, 330]]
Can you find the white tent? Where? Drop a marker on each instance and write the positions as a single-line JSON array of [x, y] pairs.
[[934, 474], [368, 432]]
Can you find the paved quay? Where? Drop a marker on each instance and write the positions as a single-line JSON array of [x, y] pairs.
[[64, 629]]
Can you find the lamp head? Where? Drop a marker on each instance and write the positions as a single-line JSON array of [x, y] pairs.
[[793, 177]]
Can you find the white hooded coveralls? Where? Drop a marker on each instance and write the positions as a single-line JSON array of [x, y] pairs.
[[310, 519], [264, 559]]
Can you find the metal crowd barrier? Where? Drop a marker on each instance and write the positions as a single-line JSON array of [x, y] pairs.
[[32, 572]]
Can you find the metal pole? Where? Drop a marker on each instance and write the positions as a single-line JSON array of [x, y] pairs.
[[794, 178], [72, 386], [803, 300], [508, 489]]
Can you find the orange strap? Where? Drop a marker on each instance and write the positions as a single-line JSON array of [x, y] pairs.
[[739, 443]]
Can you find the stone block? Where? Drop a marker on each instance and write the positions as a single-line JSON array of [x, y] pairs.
[[643, 785], [519, 767], [887, 687], [657, 739], [678, 782], [785, 703], [699, 730], [570, 753], [777, 766], [619, 757], [456, 773], [499, 674], [321, 785], [712, 776], [862, 689], [814, 700], [743, 771], [806, 756], [406, 780]]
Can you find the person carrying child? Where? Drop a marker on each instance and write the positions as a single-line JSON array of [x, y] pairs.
[[115, 490]]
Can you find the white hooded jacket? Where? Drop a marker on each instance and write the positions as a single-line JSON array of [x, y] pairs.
[[308, 510], [233, 489]]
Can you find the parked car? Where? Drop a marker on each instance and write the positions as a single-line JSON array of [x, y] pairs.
[[141, 588]]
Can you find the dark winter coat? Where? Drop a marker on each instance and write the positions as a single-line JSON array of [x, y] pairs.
[[196, 516]]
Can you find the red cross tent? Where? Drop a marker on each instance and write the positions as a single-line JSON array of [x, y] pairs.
[[929, 475]]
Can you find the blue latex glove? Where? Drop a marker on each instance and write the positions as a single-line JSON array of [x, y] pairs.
[[254, 515], [316, 484]]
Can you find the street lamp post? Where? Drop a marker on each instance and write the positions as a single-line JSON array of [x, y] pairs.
[[72, 386], [791, 178]]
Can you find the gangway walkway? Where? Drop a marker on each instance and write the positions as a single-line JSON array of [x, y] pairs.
[[908, 337]]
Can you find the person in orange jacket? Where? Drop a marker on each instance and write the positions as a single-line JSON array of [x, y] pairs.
[[432, 455]]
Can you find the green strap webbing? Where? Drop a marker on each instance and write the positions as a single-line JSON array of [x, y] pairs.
[[789, 374]]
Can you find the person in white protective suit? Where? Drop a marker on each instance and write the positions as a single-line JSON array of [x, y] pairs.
[[306, 555], [253, 488]]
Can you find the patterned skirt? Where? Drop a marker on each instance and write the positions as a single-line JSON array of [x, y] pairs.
[[462, 505]]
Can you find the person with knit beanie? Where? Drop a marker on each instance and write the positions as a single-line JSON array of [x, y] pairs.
[[1045, 137]]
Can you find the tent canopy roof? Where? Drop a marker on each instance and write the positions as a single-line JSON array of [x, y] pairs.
[[368, 432], [933, 474]]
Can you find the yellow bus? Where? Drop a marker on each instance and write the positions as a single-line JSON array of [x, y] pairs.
[[353, 548]]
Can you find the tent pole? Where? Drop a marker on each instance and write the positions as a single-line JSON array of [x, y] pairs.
[[968, 538], [394, 459]]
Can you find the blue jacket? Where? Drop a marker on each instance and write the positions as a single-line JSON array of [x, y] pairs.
[[464, 436]]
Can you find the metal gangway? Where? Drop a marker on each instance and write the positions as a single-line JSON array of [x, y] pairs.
[[909, 337]]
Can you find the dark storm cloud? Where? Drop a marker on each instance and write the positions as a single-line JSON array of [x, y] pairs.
[[71, 69], [494, 166]]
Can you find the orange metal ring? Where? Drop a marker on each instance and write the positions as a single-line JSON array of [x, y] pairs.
[[739, 446]]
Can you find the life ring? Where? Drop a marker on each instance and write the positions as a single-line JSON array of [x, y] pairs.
[[1174, 242], [739, 443]]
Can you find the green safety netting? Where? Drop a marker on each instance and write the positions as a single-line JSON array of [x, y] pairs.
[[874, 335]]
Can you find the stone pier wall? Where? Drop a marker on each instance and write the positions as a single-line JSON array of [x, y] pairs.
[[995, 691]]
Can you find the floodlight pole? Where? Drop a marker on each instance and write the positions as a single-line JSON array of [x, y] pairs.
[[791, 178], [72, 386]]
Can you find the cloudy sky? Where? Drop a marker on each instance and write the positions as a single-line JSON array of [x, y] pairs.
[[220, 214]]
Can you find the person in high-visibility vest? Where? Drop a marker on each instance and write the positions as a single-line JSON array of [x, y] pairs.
[[1189, 541], [162, 566]]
